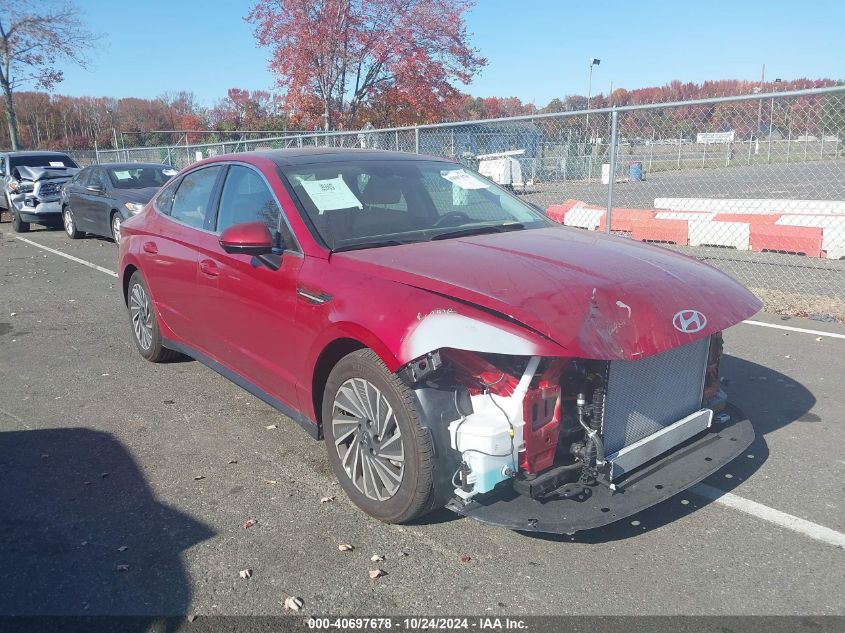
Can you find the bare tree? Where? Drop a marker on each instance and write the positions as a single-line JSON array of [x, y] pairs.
[[34, 38]]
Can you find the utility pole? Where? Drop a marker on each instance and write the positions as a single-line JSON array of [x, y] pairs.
[[760, 102], [592, 62]]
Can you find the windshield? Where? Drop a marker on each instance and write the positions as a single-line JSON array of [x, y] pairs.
[[140, 177], [369, 203], [41, 160]]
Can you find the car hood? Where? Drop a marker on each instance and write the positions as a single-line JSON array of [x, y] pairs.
[[141, 196], [45, 173], [596, 296]]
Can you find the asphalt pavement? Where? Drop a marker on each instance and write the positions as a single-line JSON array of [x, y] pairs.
[[125, 487]]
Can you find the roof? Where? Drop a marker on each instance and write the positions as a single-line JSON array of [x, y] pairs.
[[34, 153], [132, 165], [306, 155]]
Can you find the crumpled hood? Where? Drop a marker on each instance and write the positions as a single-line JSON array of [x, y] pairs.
[[596, 296], [45, 173]]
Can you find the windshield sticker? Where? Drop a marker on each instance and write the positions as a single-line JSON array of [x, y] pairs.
[[122, 175], [56, 163], [328, 195], [464, 179], [169, 172]]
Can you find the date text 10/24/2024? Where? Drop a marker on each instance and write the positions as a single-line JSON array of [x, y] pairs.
[[418, 623]]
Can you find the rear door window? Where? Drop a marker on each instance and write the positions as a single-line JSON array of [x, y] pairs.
[[193, 198]]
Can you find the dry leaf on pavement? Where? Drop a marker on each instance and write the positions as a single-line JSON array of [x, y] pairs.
[[245, 573], [377, 573], [345, 547], [293, 603], [376, 558]]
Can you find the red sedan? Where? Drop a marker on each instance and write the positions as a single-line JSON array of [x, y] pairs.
[[451, 344]]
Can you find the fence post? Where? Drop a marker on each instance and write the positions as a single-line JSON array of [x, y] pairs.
[[651, 151], [788, 144], [397, 140], [806, 143], [96, 152], [613, 132], [416, 140], [750, 143]]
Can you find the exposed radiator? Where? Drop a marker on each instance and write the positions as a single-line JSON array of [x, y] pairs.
[[645, 396]]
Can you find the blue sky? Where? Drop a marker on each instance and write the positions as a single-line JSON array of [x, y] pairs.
[[537, 49]]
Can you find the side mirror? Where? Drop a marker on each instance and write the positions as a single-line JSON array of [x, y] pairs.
[[247, 238]]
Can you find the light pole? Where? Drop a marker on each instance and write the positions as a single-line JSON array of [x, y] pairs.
[[592, 62], [771, 117]]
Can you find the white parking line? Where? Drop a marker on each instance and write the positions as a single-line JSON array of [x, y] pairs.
[[770, 515], [795, 329], [65, 255], [788, 521]]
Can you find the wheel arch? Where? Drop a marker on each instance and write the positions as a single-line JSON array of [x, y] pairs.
[[128, 271], [341, 341]]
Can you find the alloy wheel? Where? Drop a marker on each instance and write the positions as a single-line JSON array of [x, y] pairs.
[[115, 228], [142, 318], [67, 216], [368, 439]]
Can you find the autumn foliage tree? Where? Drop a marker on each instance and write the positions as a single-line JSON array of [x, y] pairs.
[[347, 55], [34, 36]]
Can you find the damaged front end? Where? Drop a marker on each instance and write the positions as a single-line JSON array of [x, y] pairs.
[[36, 191], [557, 445]]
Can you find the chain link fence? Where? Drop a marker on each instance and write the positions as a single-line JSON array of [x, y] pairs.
[[754, 185]]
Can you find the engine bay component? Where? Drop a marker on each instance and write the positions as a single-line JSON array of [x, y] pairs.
[[490, 439]]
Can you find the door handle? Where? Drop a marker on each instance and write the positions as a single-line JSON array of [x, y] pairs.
[[150, 247], [209, 268]]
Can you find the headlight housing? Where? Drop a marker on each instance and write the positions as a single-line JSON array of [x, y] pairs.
[[21, 187], [134, 207]]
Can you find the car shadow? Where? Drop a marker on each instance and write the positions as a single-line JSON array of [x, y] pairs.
[[82, 533], [768, 398]]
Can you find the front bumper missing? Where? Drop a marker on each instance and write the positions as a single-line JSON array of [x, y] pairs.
[[658, 480]]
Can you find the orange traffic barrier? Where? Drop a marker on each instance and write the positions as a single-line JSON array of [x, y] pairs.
[[787, 239], [673, 231]]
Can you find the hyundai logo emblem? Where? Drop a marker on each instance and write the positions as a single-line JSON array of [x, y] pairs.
[[689, 321]]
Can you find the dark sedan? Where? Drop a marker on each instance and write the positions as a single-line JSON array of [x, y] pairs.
[[101, 197]]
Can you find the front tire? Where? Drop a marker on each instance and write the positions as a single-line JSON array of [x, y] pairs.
[[378, 450], [69, 222], [142, 318], [18, 225], [116, 222]]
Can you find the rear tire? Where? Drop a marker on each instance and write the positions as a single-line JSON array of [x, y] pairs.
[[18, 225], [144, 323], [377, 448], [69, 222]]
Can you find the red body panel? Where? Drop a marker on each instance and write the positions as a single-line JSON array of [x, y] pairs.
[[549, 292]]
